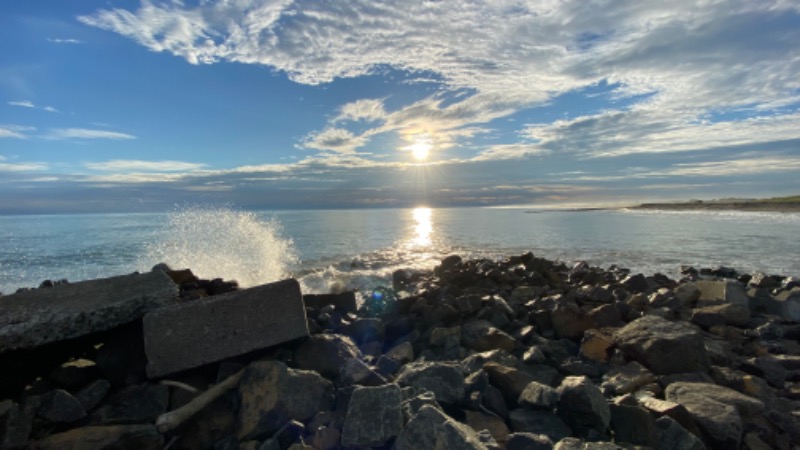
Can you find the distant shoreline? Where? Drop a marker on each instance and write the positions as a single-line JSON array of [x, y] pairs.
[[756, 206]]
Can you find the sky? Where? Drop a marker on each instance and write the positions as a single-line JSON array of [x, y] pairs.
[[125, 106]]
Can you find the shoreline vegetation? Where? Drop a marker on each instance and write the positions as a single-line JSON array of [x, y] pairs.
[[788, 204]]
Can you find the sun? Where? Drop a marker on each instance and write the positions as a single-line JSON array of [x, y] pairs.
[[420, 150]]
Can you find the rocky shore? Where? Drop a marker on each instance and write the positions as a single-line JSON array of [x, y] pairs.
[[523, 353]]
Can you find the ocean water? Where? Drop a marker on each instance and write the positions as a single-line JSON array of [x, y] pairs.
[[359, 249]]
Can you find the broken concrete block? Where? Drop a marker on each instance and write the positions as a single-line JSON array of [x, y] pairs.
[[32, 318], [191, 334]]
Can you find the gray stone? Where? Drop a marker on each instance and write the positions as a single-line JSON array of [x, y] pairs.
[[662, 346], [582, 406], [497, 428], [326, 438], [569, 321], [91, 395], [509, 380], [413, 405], [785, 304], [365, 330], [683, 393], [374, 416], [356, 371], [475, 362], [528, 441], [345, 301], [191, 334], [271, 395], [634, 425], [402, 353], [446, 337], [32, 318], [722, 291], [626, 379], [326, 354], [134, 404], [431, 428], [524, 420], [571, 443], [724, 314], [480, 335], [140, 437], [538, 395], [59, 406], [674, 437], [445, 380]]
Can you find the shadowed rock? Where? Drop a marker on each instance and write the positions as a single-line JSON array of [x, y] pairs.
[[662, 346]]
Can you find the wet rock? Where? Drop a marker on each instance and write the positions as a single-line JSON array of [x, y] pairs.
[[60, 406], [664, 347], [537, 395], [633, 425], [373, 417], [583, 407], [123, 437], [271, 395], [134, 404], [431, 428], [674, 437], [326, 354], [524, 420], [480, 335], [91, 395], [445, 380]]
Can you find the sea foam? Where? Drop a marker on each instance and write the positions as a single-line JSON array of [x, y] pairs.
[[223, 243]]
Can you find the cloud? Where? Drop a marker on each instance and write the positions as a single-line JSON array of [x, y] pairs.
[[368, 110], [50, 109], [84, 133], [126, 165], [14, 131], [510, 151], [22, 167], [23, 103], [334, 139], [64, 41], [744, 166]]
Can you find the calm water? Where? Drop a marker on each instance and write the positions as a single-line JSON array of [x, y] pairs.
[[361, 248]]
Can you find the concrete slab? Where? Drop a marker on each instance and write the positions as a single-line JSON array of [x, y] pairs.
[[188, 335], [713, 292], [32, 318]]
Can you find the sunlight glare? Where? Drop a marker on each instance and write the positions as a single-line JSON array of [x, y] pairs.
[[423, 227], [420, 150]]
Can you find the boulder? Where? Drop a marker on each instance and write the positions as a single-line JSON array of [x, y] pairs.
[[445, 380], [494, 425], [92, 394], [374, 416], [134, 404], [596, 345], [569, 321], [785, 304], [674, 437], [365, 330], [509, 380], [721, 291], [528, 441], [582, 406], [59, 406], [626, 379], [524, 420], [431, 428], [326, 354], [723, 314], [35, 317], [272, 394], [480, 335], [633, 425], [691, 393], [538, 395], [345, 302], [662, 346], [140, 437], [222, 326]]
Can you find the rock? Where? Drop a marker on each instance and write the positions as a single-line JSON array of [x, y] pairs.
[[445, 380], [431, 428], [636, 283], [762, 280], [446, 337], [134, 404], [326, 438], [714, 292], [674, 411], [32, 318], [662, 346], [626, 379], [476, 362], [727, 313], [528, 441], [326, 354], [402, 353], [509, 380], [91, 395], [16, 423], [74, 375], [496, 426], [365, 330], [356, 371], [374, 416], [538, 395], [524, 420], [223, 326], [582, 406], [480, 335], [596, 345], [785, 304], [413, 405], [675, 437], [122, 437], [633, 425], [59, 406], [687, 294], [716, 409], [571, 443], [569, 321], [345, 302], [534, 355], [121, 358], [271, 395]]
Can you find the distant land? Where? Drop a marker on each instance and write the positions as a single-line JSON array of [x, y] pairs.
[[775, 204]]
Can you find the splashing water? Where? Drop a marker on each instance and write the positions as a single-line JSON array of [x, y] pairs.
[[223, 243]]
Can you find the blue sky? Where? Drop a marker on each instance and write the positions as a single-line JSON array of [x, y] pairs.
[[138, 106]]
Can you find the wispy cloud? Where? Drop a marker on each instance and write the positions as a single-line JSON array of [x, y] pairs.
[[22, 103], [64, 41], [84, 133], [365, 109], [334, 139], [14, 131], [23, 167], [127, 165]]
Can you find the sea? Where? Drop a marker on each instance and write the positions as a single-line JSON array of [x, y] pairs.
[[335, 250]]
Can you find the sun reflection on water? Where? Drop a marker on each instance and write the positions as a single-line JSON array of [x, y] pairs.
[[423, 227]]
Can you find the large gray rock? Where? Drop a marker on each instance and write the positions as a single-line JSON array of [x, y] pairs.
[[445, 380], [326, 354], [122, 437], [374, 416], [480, 335], [32, 318], [722, 291], [634, 425], [431, 428], [785, 304], [674, 437], [509, 380], [582, 406], [272, 395], [716, 409], [191, 334], [134, 404], [59, 406], [524, 420], [538, 395], [662, 346]]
